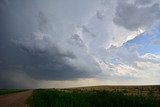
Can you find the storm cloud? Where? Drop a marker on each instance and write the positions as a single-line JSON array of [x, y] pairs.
[[51, 43], [133, 17]]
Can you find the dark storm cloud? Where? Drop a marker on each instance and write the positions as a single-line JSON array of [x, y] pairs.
[[45, 63], [29, 46], [133, 17], [4, 2], [37, 64]]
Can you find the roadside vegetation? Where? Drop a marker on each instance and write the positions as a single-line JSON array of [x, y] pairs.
[[9, 91], [100, 98]]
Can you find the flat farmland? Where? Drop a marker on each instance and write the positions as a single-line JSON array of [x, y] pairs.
[[97, 96], [146, 90]]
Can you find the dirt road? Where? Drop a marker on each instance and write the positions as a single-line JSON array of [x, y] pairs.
[[15, 99]]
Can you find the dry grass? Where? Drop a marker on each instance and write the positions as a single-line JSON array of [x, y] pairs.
[[152, 91]]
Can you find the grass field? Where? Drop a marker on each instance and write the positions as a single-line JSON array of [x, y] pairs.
[[152, 91], [8, 91], [103, 96]]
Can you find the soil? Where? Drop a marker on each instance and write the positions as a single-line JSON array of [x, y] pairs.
[[15, 99]]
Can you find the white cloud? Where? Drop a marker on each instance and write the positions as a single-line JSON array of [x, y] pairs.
[[151, 57]]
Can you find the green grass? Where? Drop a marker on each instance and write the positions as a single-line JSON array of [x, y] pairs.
[[55, 98], [8, 91]]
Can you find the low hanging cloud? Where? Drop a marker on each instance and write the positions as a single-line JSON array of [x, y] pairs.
[[52, 60], [43, 52]]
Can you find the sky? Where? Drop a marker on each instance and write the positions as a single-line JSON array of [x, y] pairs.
[[73, 43]]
